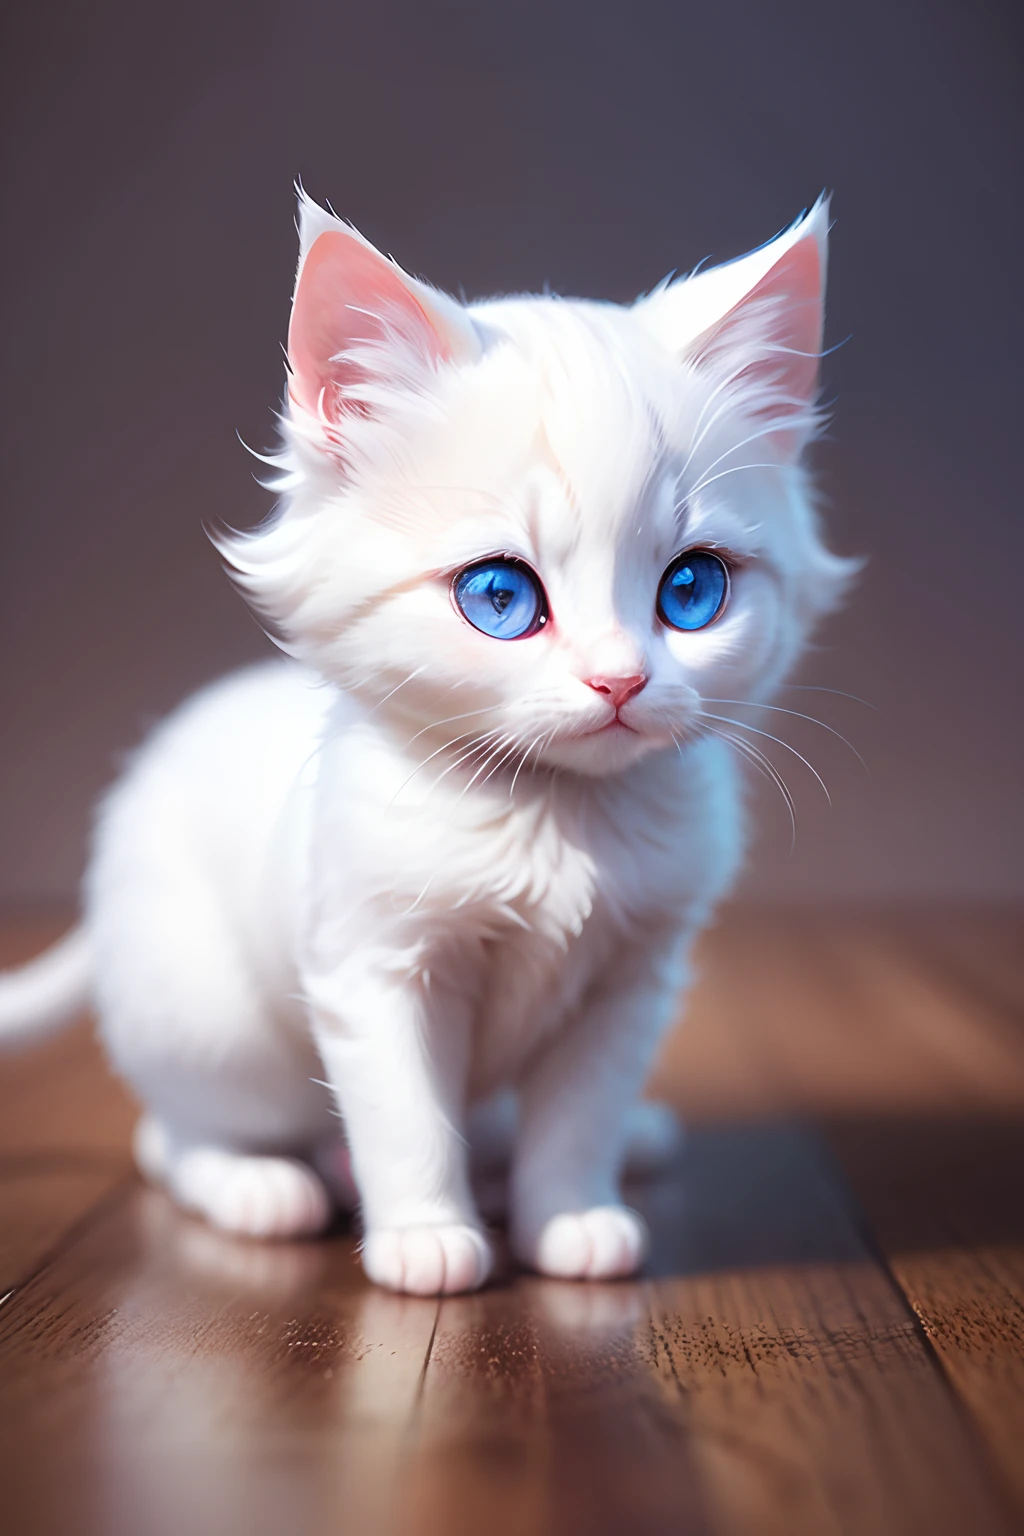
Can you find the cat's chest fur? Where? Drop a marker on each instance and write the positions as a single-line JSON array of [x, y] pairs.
[[514, 903]]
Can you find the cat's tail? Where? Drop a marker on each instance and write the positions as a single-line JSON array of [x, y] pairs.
[[39, 998]]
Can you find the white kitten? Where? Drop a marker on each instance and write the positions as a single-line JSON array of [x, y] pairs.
[[463, 845]]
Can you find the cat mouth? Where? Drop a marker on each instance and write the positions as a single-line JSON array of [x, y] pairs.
[[615, 724]]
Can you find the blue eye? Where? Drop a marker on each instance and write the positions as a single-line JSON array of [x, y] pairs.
[[693, 590], [501, 598]]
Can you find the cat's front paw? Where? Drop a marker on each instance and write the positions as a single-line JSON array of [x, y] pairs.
[[603, 1243], [427, 1260]]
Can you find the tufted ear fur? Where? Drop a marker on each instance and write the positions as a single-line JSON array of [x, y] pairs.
[[758, 321], [357, 317]]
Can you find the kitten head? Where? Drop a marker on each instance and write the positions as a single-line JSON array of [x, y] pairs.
[[543, 529]]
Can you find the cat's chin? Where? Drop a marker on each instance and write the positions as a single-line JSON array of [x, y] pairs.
[[600, 753]]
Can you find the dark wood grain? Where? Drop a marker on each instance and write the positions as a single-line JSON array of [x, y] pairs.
[[910, 1028], [41, 1202], [59, 1096], [797, 1014], [768, 1377], [157, 1377], [785, 1367], [945, 1201], [64, 1125], [945, 1196]]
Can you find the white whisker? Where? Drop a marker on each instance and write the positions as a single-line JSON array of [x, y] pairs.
[[409, 910], [768, 768], [450, 720], [702, 485], [478, 744], [461, 737], [743, 726], [699, 437], [384, 700], [798, 715], [502, 746], [543, 735], [752, 437], [497, 766], [524, 699], [839, 692]]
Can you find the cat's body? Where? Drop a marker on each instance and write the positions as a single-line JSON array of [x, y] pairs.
[[441, 865], [218, 888]]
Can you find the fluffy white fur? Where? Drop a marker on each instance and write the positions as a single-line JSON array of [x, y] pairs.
[[415, 868]]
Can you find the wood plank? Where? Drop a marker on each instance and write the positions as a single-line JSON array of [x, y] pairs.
[[60, 1098], [980, 952], [944, 1195], [815, 1407], [945, 1200], [64, 1129], [541, 1413], [41, 1201], [788, 1016], [910, 1022], [965, 1034], [769, 1378], [158, 1377], [59, 1095]]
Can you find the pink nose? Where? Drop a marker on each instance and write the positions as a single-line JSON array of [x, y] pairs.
[[618, 689]]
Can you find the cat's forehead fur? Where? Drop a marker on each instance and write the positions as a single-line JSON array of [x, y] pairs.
[[593, 441], [561, 415], [568, 432], [598, 392]]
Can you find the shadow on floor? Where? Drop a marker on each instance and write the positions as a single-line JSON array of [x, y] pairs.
[[936, 1181], [778, 1193]]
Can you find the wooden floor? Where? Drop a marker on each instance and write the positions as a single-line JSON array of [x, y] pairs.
[[830, 1336]]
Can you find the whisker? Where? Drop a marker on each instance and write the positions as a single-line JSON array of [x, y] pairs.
[[768, 768], [702, 485], [839, 692], [701, 435], [380, 702], [752, 437], [409, 910], [502, 744], [798, 715], [526, 754], [533, 698], [509, 752], [511, 748], [478, 743], [742, 725], [461, 737], [483, 739], [450, 720]]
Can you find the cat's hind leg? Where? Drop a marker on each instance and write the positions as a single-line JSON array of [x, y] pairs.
[[245, 1193], [226, 1070], [653, 1135], [655, 1138], [251, 1195]]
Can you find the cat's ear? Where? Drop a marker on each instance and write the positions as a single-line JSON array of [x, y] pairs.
[[358, 319], [757, 321]]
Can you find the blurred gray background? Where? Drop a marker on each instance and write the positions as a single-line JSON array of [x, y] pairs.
[[149, 253]]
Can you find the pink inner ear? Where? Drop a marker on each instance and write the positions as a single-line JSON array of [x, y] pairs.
[[347, 293], [786, 309], [795, 284]]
